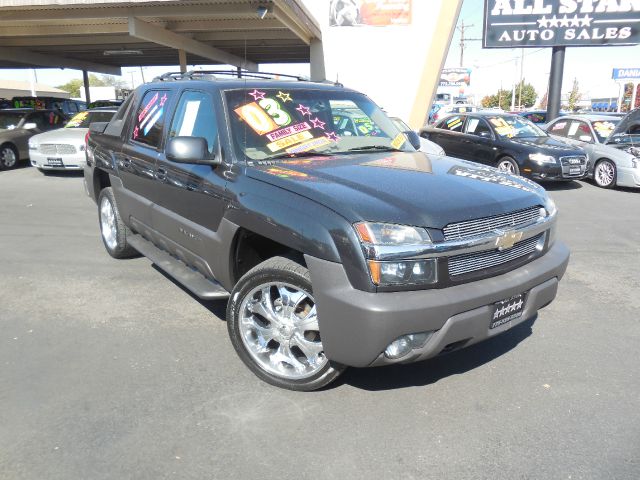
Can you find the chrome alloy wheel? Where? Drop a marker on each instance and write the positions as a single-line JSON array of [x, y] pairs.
[[108, 224], [506, 166], [8, 157], [279, 328], [605, 173]]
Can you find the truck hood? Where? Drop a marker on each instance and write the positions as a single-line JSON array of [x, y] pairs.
[[404, 188], [71, 136]]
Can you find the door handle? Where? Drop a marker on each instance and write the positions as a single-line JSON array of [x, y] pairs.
[[161, 174]]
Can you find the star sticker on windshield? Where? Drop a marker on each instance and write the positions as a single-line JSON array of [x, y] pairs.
[[135, 132], [317, 123], [285, 97], [331, 136], [257, 94], [163, 99], [304, 110]]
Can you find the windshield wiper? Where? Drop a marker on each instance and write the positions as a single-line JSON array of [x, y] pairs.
[[382, 148], [299, 155]]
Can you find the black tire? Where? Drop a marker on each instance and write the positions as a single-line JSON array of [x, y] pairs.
[[10, 159], [116, 245], [605, 174], [503, 161], [275, 270]]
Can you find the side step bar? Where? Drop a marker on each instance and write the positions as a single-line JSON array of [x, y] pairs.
[[191, 279]]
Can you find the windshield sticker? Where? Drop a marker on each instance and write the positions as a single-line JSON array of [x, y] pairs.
[[147, 107], [399, 140], [257, 94], [317, 123], [256, 118], [454, 122], [304, 110], [77, 120], [332, 136], [284, 96], [558, 126], [272, 107], [309, 145], [603, 129], [573, 128], [288, 141], [502, 127], [290, 130]]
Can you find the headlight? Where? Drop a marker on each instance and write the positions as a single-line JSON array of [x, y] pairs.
[[550, 206], [635, 162], [33, 146], [391, 234], [541, 158], [404, 272]]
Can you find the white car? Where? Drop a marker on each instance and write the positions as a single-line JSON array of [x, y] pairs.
[[63, 149], [612, 145]]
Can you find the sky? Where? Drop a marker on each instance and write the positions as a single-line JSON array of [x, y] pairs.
[[491, 68]]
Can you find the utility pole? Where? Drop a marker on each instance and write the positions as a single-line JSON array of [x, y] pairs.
[[461, 28], [520, 92]]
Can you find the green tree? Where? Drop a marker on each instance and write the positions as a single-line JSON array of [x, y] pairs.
[[525, 94], [501, 99], [73, 86], [574, 96]]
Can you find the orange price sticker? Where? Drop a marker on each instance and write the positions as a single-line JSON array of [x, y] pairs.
[[256, 118]]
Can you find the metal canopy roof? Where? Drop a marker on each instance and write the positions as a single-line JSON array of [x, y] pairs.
[[104, 35]]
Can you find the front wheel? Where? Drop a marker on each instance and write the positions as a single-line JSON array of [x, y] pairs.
[[8, 157], [508, 165], [273, 325], [604, 174]]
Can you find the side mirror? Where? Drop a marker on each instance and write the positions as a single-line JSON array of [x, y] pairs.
[[585, 138], [413, 138], [190, 150], [30, 126]]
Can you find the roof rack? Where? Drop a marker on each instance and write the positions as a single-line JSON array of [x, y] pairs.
[[239, 73]]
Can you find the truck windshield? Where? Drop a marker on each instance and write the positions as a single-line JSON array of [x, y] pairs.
[[271, 123]]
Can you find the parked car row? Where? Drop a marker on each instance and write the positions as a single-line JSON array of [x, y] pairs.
[[605, 148]]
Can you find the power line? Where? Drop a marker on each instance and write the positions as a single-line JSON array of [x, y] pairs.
[[461, 28]]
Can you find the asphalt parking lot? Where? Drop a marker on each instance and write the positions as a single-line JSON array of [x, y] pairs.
[[108, 370]]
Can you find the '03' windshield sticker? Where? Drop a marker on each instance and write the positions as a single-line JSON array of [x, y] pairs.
[[287, 131], [288, 141], [272, 107], [256, 118]]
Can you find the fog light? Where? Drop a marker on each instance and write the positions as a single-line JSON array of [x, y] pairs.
[[401, 346], [398, 348]]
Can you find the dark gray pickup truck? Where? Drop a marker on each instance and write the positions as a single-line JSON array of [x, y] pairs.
[[336, 241]]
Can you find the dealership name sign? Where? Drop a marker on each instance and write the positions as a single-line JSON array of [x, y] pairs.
[[626, 74], [546, 23]]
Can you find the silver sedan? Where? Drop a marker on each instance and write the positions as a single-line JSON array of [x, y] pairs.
[[612, 145]]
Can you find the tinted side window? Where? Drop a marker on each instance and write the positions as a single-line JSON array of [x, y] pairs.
[[149, 121], [117, 122], [45, 120], [559, 128], [535, 117], [579, 129], [477, 126], [453, 123], [195, 117]]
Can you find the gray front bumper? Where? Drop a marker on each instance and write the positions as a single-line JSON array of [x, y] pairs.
[[357, 326]]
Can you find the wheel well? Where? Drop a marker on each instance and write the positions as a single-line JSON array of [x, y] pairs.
[[251, 249], [100, 181], [9, 144]]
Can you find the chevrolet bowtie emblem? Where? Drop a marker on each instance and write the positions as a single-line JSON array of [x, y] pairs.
[[507, 239]]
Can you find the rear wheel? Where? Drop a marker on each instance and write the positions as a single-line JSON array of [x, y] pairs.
[[114, 232], [508, 165], [273, 325], [8, 156], [604, 174]]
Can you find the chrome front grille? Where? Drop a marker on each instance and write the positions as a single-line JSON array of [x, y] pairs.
[[472, 262], [484, 226], [57, 149]]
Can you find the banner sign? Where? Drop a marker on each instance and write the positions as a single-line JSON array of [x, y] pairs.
[[549, 23], [379, 13], [455, 77], [626, 74]]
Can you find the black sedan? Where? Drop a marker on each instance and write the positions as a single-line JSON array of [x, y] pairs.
[[509, 142]]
